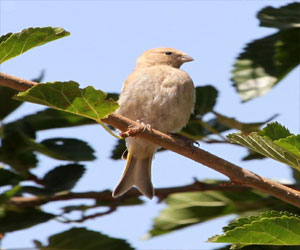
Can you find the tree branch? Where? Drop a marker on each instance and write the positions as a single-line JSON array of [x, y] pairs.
[[235, 173], [105, 196]]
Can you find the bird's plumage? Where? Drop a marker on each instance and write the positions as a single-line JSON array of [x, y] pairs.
[[157, 93]]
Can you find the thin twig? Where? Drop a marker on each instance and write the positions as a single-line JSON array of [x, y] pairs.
[[88, 217], [235, 173]]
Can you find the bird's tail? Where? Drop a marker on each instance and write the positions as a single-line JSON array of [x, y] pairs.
[[137, 172]]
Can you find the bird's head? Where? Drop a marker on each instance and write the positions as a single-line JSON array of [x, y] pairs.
[[163, 56]]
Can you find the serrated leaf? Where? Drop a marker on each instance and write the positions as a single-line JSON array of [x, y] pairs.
[[81, 238], [265, 62], [205, 99], [269, 228], [67, 96], [275, 131], [15, 44], [284, 17], [265, 146], [186, 209], [8, 177], [67, 149], [12, 220], [262, 247], [63, 177], [290, 144], [3, 38]]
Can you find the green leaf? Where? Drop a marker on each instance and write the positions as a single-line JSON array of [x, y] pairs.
[[186, 209], [252, 155], [265, 62], [81, 238], [290, 144], [48, 119], [265, 146], [118, 150], [263, 247], [63, 177], [9, 178], [67, 96], [15, 44], [205, 99], [269, 228], [284, 17], [275, 131], [7, 104], [16, 152], [4, 37], [12, 220], [66, 149]]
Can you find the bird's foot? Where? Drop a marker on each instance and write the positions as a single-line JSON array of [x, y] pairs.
[[135, 129], [145, 126]]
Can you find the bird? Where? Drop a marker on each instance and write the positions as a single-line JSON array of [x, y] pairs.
[[161, 96]]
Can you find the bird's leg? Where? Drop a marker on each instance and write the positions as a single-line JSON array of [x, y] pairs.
[[135, 129]]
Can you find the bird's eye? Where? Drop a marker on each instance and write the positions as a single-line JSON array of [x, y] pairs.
[[168, 53]]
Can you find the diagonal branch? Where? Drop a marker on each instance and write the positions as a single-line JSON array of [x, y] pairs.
[[235, 173]]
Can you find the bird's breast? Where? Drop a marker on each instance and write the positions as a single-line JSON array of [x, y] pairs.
[[160, 96]]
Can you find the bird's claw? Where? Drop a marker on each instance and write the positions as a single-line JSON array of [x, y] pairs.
[[133, 130]]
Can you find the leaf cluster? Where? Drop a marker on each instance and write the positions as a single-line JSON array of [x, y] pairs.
[[260, 221]]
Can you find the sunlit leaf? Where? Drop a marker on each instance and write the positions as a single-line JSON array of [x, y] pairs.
[[12, 45], [265, 62], [275, 131], [274, 141], [265, 146], [269, 228], [67, 96]]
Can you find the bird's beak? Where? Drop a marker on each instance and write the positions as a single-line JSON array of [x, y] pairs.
[[186, 58]]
